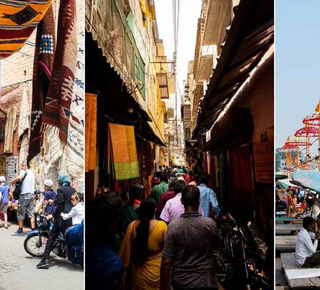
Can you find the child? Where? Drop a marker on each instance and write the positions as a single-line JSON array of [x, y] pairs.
[[4, 199], [76, 212]]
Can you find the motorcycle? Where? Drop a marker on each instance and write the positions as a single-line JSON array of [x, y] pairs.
[[240, 263], [36, 240]]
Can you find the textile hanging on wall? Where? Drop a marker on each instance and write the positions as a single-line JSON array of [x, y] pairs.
[[123, 152], [24, 145], [58, 100], [2, 165], [18, 19], [10, 128], [3, 129], [24, 117], [52, 148], [91, 131], [42, 68], [76, 143]]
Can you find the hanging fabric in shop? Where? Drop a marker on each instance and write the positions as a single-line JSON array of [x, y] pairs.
[[58, 100], [123, 155], [91, 131], [18, 19], [3, 130], [10, 128], [24, 117], [42, 68], [3, 165]]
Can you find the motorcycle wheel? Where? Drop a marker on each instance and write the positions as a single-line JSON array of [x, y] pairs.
[[35, 245]]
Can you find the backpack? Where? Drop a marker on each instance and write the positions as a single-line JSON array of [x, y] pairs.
[[17, 190]]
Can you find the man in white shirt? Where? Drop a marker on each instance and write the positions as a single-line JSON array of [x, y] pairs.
[[306, 254], [25, 202]]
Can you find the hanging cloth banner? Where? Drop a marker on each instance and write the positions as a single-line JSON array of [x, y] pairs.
[[10, 128], [42, 69], [58, 100], [91, 131], [124, 157], [3, 165], [18, 19]]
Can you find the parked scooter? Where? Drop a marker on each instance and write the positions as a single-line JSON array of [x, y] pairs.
[[35, 242]]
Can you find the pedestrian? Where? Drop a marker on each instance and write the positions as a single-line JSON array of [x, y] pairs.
[[77, 211], [280, 204], [103, 266], [167, 195], [187, 176], [160, 188], [63, 205], [189, 247], [129, 211], [141, 250], [306, 251], [174, 207], [195, 180], [4, 199], [49, 197], [207, 196], [25, 202]]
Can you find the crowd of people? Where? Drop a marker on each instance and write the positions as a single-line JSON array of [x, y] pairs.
[[136, 243], [294, 201], [63, 208]]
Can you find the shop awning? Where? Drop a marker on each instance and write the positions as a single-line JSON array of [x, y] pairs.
[[235, 128], [250, 36]]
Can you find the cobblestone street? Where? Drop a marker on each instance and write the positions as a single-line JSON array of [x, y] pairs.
[[18, 269]]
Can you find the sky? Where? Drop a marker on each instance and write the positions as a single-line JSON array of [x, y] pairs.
[[189, 13], [297, 78]]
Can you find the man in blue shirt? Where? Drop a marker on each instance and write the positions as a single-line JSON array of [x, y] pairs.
[[207, 196], [4, 199]]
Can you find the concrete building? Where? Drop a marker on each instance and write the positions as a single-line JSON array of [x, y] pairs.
[[123, 43]]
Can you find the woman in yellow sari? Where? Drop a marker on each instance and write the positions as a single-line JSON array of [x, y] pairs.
[[141, 250]]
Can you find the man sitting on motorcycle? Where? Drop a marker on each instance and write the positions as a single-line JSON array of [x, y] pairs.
[[63, 205]]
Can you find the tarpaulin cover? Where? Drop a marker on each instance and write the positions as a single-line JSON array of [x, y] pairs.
[[309, 179]]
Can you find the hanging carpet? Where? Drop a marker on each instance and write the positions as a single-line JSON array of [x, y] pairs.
[[42, 70], [58, 100], [18, 19]]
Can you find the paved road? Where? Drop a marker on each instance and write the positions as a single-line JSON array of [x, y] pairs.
[[18, 269]]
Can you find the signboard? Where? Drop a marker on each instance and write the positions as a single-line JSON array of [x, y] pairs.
[[170, 113], [187, 112], [187, 124], [12, 167], [263, 149]]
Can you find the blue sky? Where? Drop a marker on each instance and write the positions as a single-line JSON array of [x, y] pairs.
[[189, 13], [297, 64]]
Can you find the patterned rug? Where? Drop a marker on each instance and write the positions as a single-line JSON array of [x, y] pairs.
[[42, 68], [18, 19], [58, 100]]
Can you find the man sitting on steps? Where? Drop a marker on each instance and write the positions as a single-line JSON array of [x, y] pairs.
[[306, 250]]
